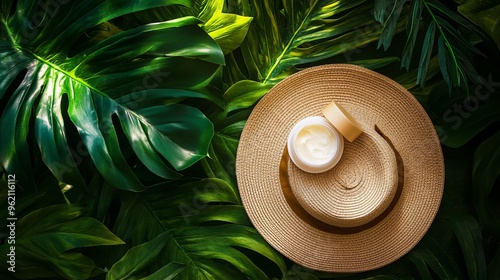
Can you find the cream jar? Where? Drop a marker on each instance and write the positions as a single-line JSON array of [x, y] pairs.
[[316, 144]]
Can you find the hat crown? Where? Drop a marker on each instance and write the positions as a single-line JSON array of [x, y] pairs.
[[357, 190]]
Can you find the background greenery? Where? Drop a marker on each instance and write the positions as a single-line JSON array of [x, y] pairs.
[[121, 119]]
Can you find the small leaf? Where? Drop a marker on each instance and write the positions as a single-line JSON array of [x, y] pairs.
[[381, 8], [412, 27], [448, 65], [228, 30], [484, 175], [426, 54], [244, 94], [442, 8], [390, 24], [138, 259], [469, 237]]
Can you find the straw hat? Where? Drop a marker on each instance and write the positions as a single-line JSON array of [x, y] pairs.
[[374, 205]]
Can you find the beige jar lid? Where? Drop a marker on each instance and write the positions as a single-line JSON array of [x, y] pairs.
[[342, 121]]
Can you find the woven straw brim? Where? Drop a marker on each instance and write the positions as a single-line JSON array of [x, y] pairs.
[[382, 107]]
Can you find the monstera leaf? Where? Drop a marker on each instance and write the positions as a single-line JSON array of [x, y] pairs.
[[131, 81], [201, 225], [227, 29]]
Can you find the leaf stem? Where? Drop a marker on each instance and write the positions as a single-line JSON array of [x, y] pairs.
[[288, 45]]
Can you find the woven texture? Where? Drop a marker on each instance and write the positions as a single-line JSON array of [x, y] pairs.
[[357, 190], [362, 214]]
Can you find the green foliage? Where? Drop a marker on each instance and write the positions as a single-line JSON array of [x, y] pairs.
[[453, 47], [469, 237], [484, 176], [286, 36], [184, 213], [140, 257], [484, 14], [130, 75], [121, 120], [228, 30], [46, 240]]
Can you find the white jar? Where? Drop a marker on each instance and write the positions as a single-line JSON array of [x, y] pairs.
[[314, 145]]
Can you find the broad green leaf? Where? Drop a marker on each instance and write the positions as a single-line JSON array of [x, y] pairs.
[[434, 257], [205, 225], [228, 30], [168, 272], [135, 263], [469, 237], [483, 13], [136, 77], [466, 117], [484, 175], [244, 94], [46, 240], [222, 160], [298, 272], [417, 258], [494, 266]]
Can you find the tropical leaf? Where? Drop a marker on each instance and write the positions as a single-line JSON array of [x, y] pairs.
[[429, 254], [493, 268], [412, 27], [285, 35], [297, 272], [46, 240], [466, 117], [469, 237], [228, 30], [426, 54], [222, 160], [484, 175], [483, 13], [131, 76], [207, 230], [454, 50], [391, 21], [140, 257]]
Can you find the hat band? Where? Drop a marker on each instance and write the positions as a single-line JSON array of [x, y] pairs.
[[316, 223]]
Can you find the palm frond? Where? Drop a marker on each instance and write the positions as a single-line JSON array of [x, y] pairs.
[[454, 50], [204, 227]]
